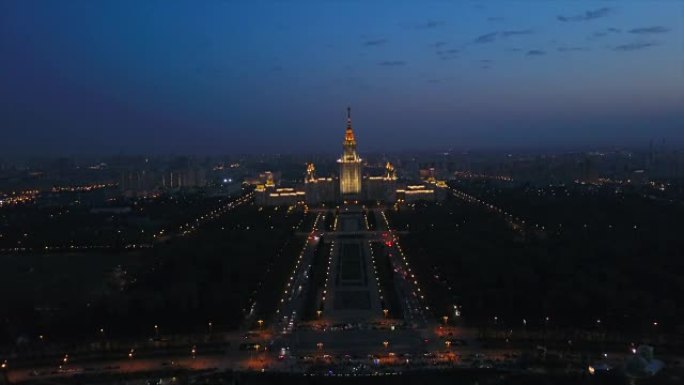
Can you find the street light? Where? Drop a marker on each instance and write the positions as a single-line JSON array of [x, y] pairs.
[[447, 343], [385, 312], [385, 344], [319, 345], [318, 313], [445, 319], [261, 323]]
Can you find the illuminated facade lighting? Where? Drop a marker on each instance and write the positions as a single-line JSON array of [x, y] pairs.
[[350, 163]]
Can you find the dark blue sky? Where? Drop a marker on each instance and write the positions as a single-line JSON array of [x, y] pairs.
[[217, 77]]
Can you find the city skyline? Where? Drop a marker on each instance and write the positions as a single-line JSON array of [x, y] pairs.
[[222, 192], [131, 77]]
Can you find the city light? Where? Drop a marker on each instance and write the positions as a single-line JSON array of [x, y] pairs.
[[170, 168]]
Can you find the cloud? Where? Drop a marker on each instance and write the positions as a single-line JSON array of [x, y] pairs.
[[392, 63], [486, 38], [515, 32], [572, 49], [587, 15], [438, 44], [645, 30], [490, 37], [429, 24], [635, 46], [432, 24], [376, 42], [604, 32], [535, 52], [448, 53]]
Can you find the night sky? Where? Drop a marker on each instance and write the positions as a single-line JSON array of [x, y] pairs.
[[202, 77]]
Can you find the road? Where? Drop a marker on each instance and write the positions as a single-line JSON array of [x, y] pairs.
[[288, 312], [416, 312]]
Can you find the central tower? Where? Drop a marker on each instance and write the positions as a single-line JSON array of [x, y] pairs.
[[350, 163]]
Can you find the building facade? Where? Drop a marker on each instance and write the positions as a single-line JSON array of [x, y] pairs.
[[350, 185], [350, 163]]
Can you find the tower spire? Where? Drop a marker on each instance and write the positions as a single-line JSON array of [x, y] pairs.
[[350, 163], [349, 134]]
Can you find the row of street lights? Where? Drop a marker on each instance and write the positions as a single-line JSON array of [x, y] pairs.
[[385, 311], [413, 280], [300, 258], [193, 226], [326, 286]]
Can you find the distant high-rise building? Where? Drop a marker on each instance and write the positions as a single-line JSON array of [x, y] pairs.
[[350, 163]]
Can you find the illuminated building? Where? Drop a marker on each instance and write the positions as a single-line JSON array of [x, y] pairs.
[[319, 190], [350, 163], [268, 194], [414, 193], [269, 179], [381, 188], [351, 185]]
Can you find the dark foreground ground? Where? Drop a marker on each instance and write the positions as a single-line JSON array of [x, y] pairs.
[[462, 376]]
